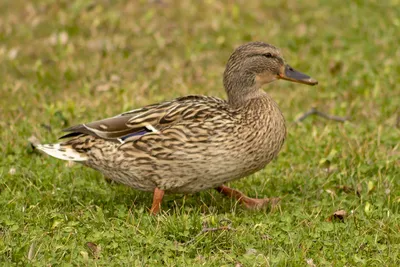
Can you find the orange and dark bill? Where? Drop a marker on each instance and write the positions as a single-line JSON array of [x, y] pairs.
[[293, 75]]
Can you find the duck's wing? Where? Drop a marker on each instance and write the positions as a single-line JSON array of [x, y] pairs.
[[152, 118]]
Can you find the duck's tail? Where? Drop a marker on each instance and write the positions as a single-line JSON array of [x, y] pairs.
[[62, 151]]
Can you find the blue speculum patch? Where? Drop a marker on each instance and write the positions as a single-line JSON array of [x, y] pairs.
[[142, 132]]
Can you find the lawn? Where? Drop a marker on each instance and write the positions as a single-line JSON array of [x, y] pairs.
[[68, 62]]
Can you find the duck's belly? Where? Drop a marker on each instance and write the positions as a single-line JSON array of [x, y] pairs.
[[182, 179], [184, 173], [225, 169]]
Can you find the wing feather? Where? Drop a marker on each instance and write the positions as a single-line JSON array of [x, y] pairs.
[[152, 118]]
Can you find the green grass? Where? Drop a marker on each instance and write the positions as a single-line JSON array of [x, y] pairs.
[[67, 62]]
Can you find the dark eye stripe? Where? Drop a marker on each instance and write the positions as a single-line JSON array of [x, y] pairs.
[[268, 55]]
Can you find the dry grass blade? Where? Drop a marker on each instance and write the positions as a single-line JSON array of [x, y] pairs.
[[213, 229], [31, 252]]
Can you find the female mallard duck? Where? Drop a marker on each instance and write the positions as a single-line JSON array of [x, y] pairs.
[[195, 142]]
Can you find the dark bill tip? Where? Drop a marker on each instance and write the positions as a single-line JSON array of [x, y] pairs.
[[293, 75]]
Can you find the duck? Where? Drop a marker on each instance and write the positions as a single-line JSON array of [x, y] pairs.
[[195, 142]]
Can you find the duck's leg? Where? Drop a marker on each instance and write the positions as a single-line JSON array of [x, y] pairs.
[[250, 203], [157, 198]]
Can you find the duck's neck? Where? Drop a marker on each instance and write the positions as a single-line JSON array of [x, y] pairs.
[[241, 88], [239, 97]]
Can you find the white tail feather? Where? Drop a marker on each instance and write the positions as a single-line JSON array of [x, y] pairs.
[[62, 152]]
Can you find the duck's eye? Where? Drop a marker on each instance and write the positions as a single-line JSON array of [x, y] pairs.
[[267, 55]]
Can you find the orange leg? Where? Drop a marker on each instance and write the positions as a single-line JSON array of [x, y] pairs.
[[250, 203], [157, 198]]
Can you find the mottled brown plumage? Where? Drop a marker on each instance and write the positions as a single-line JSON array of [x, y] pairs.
[[192, 143]]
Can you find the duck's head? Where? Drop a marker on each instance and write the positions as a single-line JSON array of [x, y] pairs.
[[255, 64]]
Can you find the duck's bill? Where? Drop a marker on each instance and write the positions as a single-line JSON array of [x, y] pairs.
[[293, 75]]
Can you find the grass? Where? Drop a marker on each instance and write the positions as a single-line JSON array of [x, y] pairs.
[[67, 62]]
